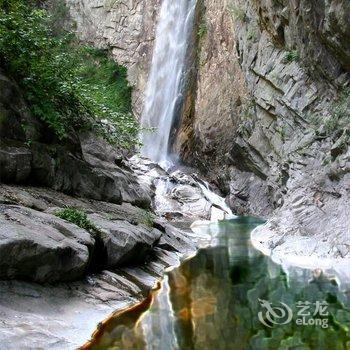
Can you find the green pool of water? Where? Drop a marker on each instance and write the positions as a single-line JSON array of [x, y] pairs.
[[230, 296]]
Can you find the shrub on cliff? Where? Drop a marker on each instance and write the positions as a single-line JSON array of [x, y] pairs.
[[77, 217], [67, 85]]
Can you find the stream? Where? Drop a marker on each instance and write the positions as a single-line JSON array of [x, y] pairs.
[[231, 296], [145, 252]]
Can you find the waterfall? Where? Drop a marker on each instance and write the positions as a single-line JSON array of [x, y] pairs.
[[163, 99], [163, 91], [215, 199]]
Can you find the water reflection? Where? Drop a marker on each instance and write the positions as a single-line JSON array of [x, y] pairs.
[[212, 302], [158, 324]]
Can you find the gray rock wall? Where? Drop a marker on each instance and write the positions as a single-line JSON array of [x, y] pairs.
[[126, 27], [281, 150], [269, 81], [269, 76], [269, 111]]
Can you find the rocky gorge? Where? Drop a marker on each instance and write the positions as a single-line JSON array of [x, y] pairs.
[[73, 277], [264, 117], [275, 127]]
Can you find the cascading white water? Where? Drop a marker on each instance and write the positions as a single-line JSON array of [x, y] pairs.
[[163, 90], [162, 98], [215, 199]]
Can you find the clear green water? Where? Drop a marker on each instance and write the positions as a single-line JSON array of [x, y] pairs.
[[212, 302]]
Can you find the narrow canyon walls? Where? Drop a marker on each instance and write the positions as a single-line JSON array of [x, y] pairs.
[[271, 77], [269, 82]]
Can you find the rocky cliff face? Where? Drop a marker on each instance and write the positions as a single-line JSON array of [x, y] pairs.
[[275, 127], [278, 68], [126, 27], [267, 116]]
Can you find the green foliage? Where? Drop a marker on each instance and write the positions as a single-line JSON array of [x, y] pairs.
[[148, 218], [292, 56], [252, 34], [68, 86], [202, 30], [338, 119], [340, 116], [107, 78], [238, 13], [78, 218]]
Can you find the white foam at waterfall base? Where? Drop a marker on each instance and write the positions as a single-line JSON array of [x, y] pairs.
[[223, 211], [163, 95], [164, 86]]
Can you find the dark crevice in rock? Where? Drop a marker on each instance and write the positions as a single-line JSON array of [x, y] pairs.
[[98, 255]]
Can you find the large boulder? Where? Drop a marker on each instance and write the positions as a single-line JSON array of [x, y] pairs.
[[41, 247], [101, 155], [123, 242], [67, 170]]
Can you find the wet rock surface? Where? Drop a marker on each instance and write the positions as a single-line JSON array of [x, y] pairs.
[[64, 316], [39, 246], [115, 267], [125, 235], [179, 195]]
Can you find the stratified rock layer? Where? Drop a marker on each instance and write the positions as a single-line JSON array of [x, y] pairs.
[[276, 140], [36, 245], [41, 247]]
